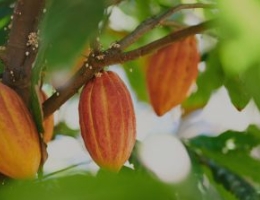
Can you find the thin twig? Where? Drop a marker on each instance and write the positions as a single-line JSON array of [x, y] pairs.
[[144, 50], [109, 57], [152, 22]]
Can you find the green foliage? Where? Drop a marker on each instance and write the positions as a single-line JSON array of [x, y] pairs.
[[240, 47], [66, 28], [84, 186], [229, 158], [239, 50]]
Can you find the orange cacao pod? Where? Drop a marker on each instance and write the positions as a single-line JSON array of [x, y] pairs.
[[20, 153], [107, 121], [170, 74], [48, 123]]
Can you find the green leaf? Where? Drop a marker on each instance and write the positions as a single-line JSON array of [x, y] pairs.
[[240, 49], [237, 92], [127, 186], [229, 140], [135, 71], [229, 149], [239, 163], [251, 78], [66, 27], [241, 46]]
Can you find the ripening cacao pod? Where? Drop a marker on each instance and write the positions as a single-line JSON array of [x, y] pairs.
[[20, 153], [107, 120], [48, 123], [170, 74]]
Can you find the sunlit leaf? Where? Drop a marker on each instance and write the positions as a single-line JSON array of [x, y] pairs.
[[241, 47]]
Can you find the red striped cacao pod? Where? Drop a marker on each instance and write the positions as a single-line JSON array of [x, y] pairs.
[[107, 121], [20, 153], [170, 74]]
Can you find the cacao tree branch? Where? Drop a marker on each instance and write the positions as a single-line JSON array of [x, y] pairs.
[[152, 22], [19, 54], [113, 55]]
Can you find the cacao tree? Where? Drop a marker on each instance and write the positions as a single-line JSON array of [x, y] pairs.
[[114, 58]]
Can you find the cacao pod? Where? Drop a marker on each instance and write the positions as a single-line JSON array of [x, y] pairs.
[[107, 121], [170, 74], [20, 153], [48, 123]]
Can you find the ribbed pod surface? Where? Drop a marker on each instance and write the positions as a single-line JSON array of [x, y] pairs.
[[171, 72], [19, 142], [107, 120]]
